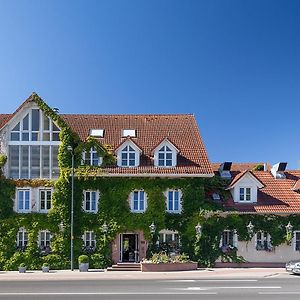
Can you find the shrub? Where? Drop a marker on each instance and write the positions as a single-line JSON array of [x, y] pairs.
[[22, 265], [83, 259]]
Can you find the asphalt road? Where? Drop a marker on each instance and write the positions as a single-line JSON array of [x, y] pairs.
[[273, 287]]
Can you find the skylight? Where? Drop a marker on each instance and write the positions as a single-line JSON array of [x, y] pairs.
[[97, 132], [129, 132]]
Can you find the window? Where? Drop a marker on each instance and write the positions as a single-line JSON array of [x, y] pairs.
[[33, 147], [23, 201], [165, 157], [245, 194], [169, 241], [97, 133], [173, 201], [22, 239], [263, 241], [128, 157], [91, 201], [89, 241], [35, 126], [228, 240], [45, 200], [129, 132], [138, 201], [44, 241], [297, 240], [91, 158]]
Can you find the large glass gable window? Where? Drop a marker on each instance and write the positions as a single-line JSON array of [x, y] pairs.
[[35, 126], [165, 157], [33, 147], [128, 157]]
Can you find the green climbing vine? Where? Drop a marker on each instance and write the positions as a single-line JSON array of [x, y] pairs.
[[114, 209]]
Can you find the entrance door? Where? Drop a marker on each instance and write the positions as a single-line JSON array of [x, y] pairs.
[[129, 251]]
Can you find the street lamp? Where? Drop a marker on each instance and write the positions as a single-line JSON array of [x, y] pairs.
[[198, 229], [71, 150], [61, 227], [152, 228], [250, 228], [289, 227]]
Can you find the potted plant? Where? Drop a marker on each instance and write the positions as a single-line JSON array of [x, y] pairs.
[[22, 268], [83, 261], [45, 267]]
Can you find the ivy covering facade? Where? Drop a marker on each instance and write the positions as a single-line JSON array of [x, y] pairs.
[[114, 210]]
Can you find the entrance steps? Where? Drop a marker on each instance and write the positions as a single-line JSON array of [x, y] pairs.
[[125, 267]]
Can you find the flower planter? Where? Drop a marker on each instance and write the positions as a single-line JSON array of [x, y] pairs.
[[169, 267], [45, 269], [83, 267], [22, 269]]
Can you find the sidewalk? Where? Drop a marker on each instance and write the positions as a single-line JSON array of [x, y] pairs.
[[136, 275]]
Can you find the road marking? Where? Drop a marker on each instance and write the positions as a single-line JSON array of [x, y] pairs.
[[88, 294], [205, 288], [211, 280], [279, 293]]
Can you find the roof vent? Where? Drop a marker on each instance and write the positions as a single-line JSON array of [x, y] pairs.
[[278, 170], [224, 170], [129, 132], [97, 132]]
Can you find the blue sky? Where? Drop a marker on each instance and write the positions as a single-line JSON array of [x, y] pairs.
[[234, 64]]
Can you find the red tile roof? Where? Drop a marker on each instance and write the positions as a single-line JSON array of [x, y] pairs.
[[277, 195], [296, 187], [182, 130], [239, 167]]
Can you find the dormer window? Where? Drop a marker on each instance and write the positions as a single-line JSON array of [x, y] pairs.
[[245, 194], [244, 187], [165, 155], [128, 154], [91, 158]]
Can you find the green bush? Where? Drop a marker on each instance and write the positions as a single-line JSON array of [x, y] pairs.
[[83, 259]]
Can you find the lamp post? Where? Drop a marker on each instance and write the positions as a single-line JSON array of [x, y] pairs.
[[152, 229], [71, 150], [198, 229], [250, 229]]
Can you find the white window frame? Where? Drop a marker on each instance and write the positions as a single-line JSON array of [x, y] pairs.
[[51, 143], [295, 240], [245, 188], [264, 242], [43, 234], [173, 191], [85, 201], [46, 191], [174, 151], [136, 150], [91, 158], [21, 243], [23, 210], [234, 238], [138, 192], [89, 237]]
